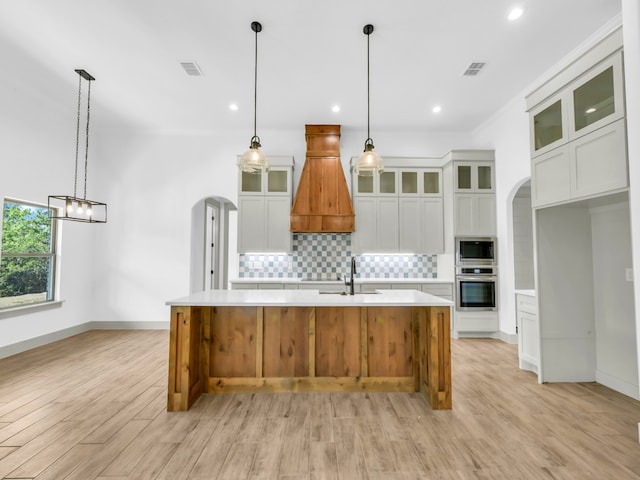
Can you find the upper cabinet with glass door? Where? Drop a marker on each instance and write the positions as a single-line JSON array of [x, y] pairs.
[[473, 177], [384, 184], [275, 182], [596, 99], [591, 101], [420, 182]]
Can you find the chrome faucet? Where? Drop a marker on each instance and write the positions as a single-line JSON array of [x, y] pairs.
[[353, 274]]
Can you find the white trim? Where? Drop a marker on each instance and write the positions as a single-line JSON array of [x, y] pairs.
[[510, 338], [25, 345], [617, 384], [31, 308]]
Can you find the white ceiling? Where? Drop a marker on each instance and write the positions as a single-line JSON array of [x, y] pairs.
[[311, 55]]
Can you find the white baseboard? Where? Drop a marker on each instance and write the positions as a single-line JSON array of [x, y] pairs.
[[617, 384], [505, 337], [25, 345]]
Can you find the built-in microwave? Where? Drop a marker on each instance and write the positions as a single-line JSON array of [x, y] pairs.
[[476, 251]]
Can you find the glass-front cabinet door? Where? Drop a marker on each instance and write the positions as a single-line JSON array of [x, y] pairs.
[[388, 182], [596, 99], [431, 182], [278, 181], [250, 183], [547, 126]]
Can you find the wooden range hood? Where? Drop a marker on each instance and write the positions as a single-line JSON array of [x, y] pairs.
[[322, 203]]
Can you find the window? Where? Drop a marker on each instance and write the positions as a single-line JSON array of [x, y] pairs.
[[27, 254]]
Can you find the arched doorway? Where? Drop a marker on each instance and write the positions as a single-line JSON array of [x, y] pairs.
[[522, 214], [210, 244]]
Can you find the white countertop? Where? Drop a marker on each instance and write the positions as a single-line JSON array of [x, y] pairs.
[[309, 298]]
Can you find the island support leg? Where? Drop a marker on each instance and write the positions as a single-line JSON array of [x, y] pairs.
[[185, 382], [435, 356]]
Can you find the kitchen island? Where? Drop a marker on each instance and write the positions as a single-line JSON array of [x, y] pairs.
[[231, 341]]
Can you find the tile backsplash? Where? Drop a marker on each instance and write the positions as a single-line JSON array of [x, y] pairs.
[[327, 255]]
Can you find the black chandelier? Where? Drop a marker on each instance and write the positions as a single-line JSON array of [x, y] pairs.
[[74, 207]]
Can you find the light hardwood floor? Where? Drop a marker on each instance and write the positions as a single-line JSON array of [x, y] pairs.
[[94, 407]]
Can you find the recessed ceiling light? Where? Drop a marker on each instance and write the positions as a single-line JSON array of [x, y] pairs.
[[436, 109], [233, 107], [515, 13], [335, 108]]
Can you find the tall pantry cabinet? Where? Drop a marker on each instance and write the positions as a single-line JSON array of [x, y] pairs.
[[579, 184]]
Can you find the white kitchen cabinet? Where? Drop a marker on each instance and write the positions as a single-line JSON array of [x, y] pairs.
[[372, 287], [474, 201], [583, 105], [421, 225], [376, 224], [475, 214], [473, 177], [264, 208], [592, 165], [475, 322], [551, 177], [578, 129], [384, 184], [444, 290], [528, 331], [401, 211]]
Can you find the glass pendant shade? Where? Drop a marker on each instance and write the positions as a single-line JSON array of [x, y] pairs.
[[369, 163], [254, 160]]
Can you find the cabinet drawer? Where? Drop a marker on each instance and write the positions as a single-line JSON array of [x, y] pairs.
[[405, 286], [525, 303], [244, 286], [444, 290], [476, 322], [371, 287]]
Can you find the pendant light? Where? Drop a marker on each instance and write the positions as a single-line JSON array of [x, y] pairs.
[[253, 160], [79, 209], [369, 162]]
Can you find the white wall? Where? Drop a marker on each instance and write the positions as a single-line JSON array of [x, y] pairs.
[[37, 152], [613, 304], [508, 134]]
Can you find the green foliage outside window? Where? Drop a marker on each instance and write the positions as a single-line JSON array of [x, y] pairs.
[[26, 263]]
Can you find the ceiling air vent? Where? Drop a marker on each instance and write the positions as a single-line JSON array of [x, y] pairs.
[[474, 69], [192, 69]]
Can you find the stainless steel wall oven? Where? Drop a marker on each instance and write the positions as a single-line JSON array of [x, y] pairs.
[[476, 274], [476, 288]]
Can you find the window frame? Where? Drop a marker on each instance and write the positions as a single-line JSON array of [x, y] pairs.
[[52, 255]]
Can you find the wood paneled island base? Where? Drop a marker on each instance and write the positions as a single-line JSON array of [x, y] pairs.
[[345, 346]]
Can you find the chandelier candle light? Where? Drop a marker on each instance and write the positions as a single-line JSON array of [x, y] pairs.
[[369, 162], [79, 209], [253, 160]]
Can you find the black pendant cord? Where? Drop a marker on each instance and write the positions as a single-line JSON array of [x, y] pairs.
[[75, 178], [256, 27], [86, 148], [368, 30], [368, 90]]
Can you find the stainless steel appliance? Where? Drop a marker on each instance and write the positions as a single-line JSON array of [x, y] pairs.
[[476, 288], [476, 274], [476, 251]]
